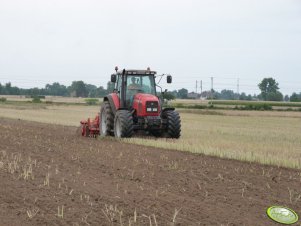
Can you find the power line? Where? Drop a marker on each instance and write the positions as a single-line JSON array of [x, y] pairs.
[[97, 78]]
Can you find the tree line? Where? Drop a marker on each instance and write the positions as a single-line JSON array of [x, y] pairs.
[[268, 86], [76, 89]]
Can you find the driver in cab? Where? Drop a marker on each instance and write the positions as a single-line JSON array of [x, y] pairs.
[[134, 85], [133, 88]]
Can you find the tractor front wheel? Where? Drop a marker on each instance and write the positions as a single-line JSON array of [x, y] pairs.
[[123, 124], [173, 127]]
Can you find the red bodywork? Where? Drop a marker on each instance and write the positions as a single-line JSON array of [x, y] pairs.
[[90, 128], [115, 100], [139, 104]]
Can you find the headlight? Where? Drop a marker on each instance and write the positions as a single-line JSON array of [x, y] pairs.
[[152, 106]]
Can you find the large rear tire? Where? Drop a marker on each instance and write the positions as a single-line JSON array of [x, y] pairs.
[[123, 124], [107, 119], [173, 127]]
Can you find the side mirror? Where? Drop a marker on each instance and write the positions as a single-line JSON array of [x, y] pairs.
[[169, 79], [113, 78]]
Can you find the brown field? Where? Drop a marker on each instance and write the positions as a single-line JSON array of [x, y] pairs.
[[51, 176]]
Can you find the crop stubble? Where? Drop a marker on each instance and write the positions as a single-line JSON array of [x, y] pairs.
[[49, 175], [264, 137]]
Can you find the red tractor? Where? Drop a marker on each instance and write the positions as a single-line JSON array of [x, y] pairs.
[[134, 106]]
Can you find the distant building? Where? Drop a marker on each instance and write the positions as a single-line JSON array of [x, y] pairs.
[[193, 95], [205, 95]]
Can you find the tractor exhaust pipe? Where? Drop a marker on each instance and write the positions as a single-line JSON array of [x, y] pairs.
[[123, 91]]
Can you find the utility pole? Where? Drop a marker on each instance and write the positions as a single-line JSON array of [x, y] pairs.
[[211, 92], [196, 86], [201, 86], [237, 89]]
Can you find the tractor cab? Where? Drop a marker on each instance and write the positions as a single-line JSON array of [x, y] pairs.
[[128, 83], [131, 82]]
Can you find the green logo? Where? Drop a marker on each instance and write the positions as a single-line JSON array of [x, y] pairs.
[[282, 215]]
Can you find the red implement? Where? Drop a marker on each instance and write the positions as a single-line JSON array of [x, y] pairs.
[[90, 128]]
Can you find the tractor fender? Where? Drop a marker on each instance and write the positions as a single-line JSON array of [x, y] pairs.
[[122, 109], [113, 100], [168, 109]]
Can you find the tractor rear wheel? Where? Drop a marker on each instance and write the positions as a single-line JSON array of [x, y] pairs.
[[107, 119], [173, 127], [123, 124]]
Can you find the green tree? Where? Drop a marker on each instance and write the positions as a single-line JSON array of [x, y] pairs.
[[286, 98], [15, 90], [98, 92], [215, 95], [168, 96], [8, 88], [110, 86], [227, 95], [78, 89], [295, 97], [269, 88], [174, 93], [56, 89], [182, 93], [101, 92], [244, 96], [35, 91], [92, 90], [276, 96]]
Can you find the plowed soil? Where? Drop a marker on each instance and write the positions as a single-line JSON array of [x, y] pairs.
[[46, 168]]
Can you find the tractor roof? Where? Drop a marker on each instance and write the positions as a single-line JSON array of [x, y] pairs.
[[138, 72]]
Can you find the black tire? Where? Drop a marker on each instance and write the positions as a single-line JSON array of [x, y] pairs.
[[156, 133], [123, 124], [106, 120], [173, 127]]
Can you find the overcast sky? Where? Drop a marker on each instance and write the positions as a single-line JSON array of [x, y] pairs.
[[58, 40]]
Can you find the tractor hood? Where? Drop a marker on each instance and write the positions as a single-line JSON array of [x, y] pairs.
[[146, 104], [146, 96]]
